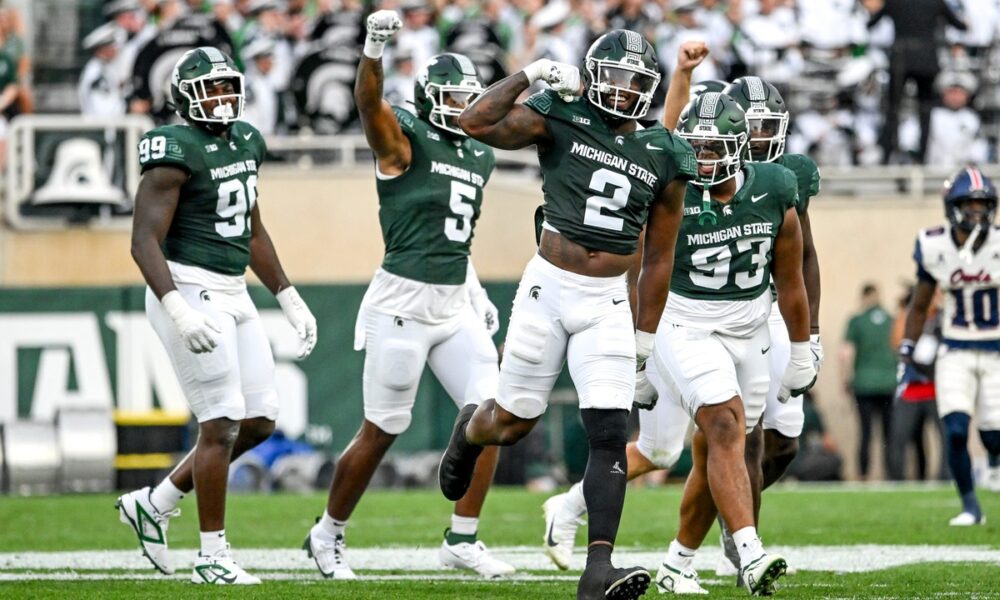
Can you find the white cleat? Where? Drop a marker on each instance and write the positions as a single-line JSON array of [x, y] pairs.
[[967, 519], [220, 569], [671, 581], [560, 531], [729, 563], [329, 553], [474, 557], [759, 575], [149, 525]]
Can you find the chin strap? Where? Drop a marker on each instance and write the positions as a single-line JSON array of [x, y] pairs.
[[965, 253], [707, 216]]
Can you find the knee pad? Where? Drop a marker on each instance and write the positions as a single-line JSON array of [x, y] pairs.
[[606, 429], [991, 440], [956, 428], [400, 364]]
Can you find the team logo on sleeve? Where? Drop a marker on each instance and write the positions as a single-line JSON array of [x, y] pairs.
[[534, 291]]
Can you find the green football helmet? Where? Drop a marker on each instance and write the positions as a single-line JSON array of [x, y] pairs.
[[708, 85], [766, 114], [621, 74], [444, 87], [194, 74], [717, 129]]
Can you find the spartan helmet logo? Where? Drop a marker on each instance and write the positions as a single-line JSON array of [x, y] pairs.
[[398, 321], [534, 291], [204, 296], [620, 140]]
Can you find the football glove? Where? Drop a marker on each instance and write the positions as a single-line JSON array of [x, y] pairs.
[[480, 302], [800, 374], [382, 25], [300, 317], [564, 79], [906, 348], [645, 394], [643, 347], [197, 329], [816, 347]]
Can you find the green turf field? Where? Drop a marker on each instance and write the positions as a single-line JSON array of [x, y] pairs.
[[845, 542]]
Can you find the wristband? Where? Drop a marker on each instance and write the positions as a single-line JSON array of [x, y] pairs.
[[373, 48]]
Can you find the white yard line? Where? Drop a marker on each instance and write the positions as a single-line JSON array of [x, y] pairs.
[[849, 559]]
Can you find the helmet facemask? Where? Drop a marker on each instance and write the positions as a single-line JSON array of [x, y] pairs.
[[720, 157], [449, 100], [623, 89], [963, 216], [219, 109], [767, 134]]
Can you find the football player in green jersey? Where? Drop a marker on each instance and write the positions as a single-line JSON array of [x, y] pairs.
[[740, 228], [425, 305], [603, 177], [196, 228]]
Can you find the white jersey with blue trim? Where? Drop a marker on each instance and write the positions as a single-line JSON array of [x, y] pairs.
[[970, 284]]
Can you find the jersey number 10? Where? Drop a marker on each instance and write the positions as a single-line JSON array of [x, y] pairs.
[[985, 312]]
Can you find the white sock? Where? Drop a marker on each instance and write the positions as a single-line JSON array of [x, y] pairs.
[[213, 542], [748, 545], [165, 496], [574, 502], [331, 525], [464, 525], [679, 556]]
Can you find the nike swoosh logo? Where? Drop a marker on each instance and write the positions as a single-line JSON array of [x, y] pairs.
[[617, 302], [248, 136], [757, 198], [652, 147], [479, 152], [764, 351], [548, 539]]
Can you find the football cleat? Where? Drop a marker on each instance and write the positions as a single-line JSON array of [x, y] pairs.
[[220, 569], [991, 481], [329, 553], [671, 581], [560, 531], [967, 519], [150, 525], [459, 459], [603, 581], [474, 557], [760, 574]]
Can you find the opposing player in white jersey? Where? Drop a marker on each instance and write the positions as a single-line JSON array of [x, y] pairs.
[[963, 258], [425, 305]]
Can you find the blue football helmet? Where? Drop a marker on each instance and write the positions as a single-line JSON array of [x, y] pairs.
[[969, 184]]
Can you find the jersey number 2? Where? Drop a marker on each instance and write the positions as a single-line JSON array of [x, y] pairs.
[[596, 205], [234, 204]]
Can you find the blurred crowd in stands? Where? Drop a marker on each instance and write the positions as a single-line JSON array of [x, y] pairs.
[[867, 81]]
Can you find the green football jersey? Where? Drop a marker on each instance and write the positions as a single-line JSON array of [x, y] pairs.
[[428, 213], [731, 258], [211, 226], [597, 186], [806, 175]]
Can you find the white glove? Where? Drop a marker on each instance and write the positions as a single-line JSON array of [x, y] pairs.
[[197, 329], [485, 310], [800, 374], [561, 77], [302, 320], [645, 394], [382, 25], [816, 347], [643, 347]]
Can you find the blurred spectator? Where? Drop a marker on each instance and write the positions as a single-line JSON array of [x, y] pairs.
[[101, 89], [268, 20], [955, 137], [915, 404], [635, 15], [546, 34], [481, 33], [686, 26], [417, 38], [868, 366], [8, 95], [14, 46], [830, 25], [971, 46], [766, 43], [131, 19], [261, 109], [818, 458], [912, 57], [398, 86]]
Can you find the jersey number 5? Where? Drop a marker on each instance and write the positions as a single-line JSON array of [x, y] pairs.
[[460, 229], [234, 204]]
